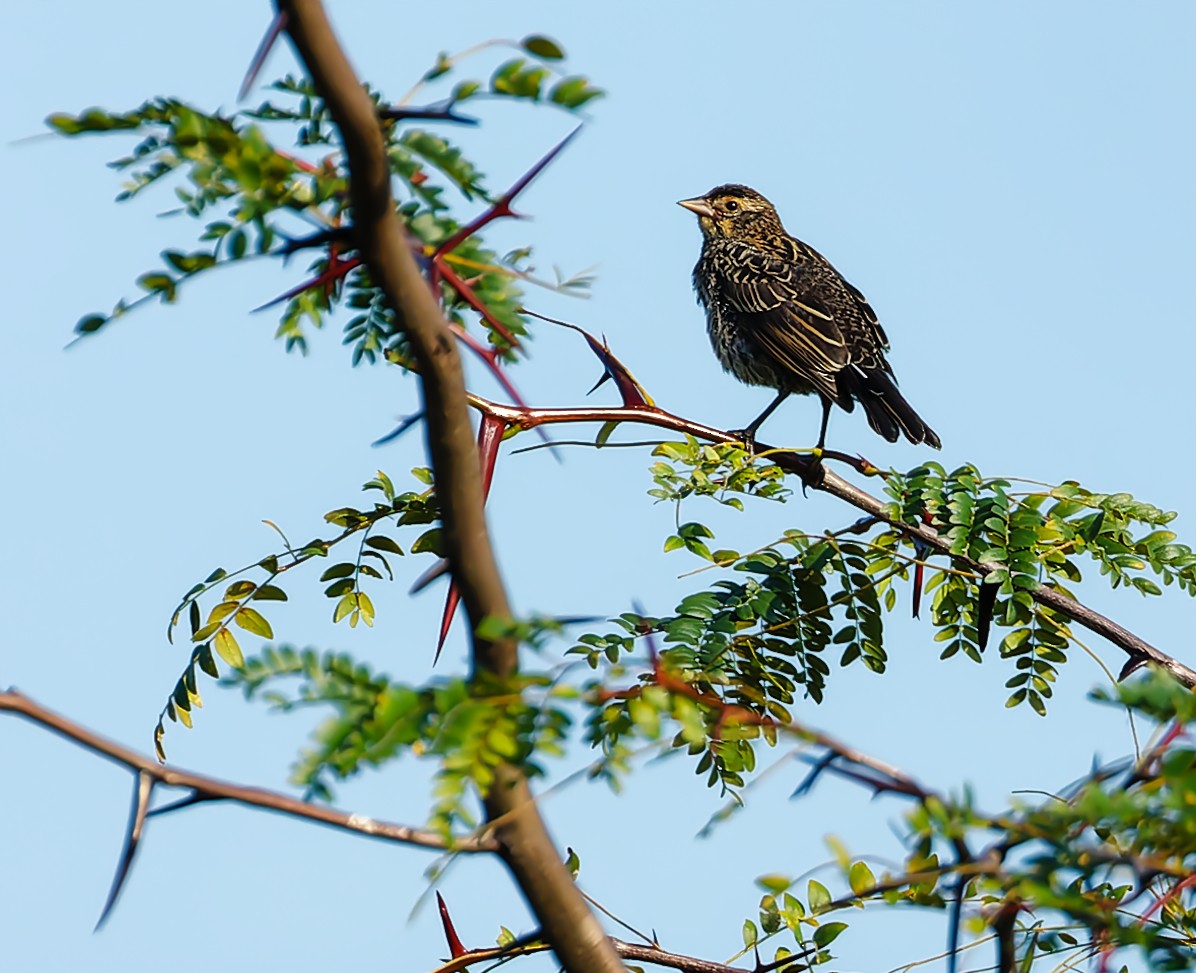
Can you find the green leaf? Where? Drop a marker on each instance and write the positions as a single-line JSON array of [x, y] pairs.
[[204, 633], [380, 542], [158, 284], [90, 323], [750, 934], [254, 623], [269, 592], [860, 878], [817, 896], [342, 570], [347, 604], [228, 649], [574, 92], [428, 541], [543, 47], [827, 934]]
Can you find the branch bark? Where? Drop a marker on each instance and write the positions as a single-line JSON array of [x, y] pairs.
[[575, 934]]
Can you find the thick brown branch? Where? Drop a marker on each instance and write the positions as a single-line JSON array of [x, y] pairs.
[[212, 789], [1139, 650], [576, 936]]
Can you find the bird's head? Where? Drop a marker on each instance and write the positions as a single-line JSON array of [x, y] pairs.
[[734, 212]]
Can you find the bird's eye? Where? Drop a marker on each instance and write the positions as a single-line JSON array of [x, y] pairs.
[[732, 205]]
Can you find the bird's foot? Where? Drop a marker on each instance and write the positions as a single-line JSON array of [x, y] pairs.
[[745, 436], [814, 473]]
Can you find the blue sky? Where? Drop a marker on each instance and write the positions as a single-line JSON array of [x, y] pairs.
[[1009, 184]]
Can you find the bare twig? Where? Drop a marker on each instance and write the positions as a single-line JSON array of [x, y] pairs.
[[212, 789]]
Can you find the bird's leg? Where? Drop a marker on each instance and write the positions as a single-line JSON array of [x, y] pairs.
[[748, 434], [826, 415]]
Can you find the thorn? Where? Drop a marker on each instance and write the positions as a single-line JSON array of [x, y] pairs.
[[437, 570], [456, 947], [446, 619], [631, 392], [502, 207], [143, 789], [336, 270], [402, 427], [277, 25], [985, 601], [441, 111]]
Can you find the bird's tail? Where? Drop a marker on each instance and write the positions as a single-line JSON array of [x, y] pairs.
[[888, 412]]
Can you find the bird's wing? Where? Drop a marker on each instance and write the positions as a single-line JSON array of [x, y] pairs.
[[786, 320], [869, 315]]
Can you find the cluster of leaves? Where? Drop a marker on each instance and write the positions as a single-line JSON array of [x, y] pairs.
[[240, 603], [467, 726], [1022, 541], [255, 197], [760, 642], [722, 471], [781, 910], [1105, 865], [757, 644]]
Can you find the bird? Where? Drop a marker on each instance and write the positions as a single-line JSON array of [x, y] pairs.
[[780, 315]]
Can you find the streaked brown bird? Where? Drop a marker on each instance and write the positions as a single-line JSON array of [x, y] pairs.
[[778, 314]]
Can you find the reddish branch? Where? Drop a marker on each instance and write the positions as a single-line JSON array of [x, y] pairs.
[[380, 237], [817, 477]]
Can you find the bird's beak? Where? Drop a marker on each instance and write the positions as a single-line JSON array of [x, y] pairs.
[[697, 205]]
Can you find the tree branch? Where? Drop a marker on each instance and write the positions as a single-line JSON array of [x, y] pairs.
[[633, 951], [212, 789], [816, 477], [576, 936]]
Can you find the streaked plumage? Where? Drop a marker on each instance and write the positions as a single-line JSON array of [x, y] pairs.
[[778, 314]]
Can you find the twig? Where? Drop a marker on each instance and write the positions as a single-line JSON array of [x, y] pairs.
[[212, 789]]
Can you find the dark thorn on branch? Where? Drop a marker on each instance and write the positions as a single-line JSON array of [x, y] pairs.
[[437, 570], [277, 26], [785, 962], [1135, 662], [143, 790], [182, 803], [402, 427], [441, 111], [985, 602], [334, 234], [816, 769]]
